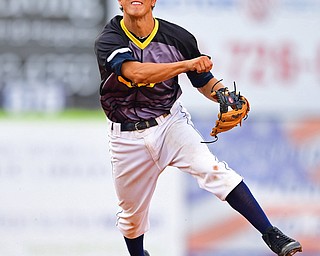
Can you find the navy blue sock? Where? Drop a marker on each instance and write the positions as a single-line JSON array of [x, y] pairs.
[[135, 246], [243, 201]]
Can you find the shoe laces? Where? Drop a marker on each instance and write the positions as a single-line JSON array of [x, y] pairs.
[[278, 239]]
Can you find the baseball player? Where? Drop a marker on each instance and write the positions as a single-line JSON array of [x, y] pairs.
[[140, 58]]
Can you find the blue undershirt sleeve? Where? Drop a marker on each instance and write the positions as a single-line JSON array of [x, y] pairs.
[[199, 80], [116, 63]]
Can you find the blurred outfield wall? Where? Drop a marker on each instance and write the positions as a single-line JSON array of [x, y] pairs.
[[56, 191], [46, 57]]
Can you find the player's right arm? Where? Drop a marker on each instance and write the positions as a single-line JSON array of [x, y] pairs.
[[138, 72]]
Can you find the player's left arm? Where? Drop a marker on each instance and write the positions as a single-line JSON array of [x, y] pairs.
[[213, 85]]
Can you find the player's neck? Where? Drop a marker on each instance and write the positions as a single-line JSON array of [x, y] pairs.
[[141, 26]]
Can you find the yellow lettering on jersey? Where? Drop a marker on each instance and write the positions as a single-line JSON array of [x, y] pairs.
[[144, 44], [151, 85], [124, 81], [131, 85]]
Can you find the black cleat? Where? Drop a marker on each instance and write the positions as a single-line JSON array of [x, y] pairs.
[[146, 253], [280, 243]]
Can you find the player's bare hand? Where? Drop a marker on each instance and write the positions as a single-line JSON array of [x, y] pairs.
[[201, 64]]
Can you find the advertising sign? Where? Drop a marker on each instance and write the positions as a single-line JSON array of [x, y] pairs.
[[46, 54]]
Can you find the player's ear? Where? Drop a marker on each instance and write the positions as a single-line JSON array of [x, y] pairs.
[[153, 3], [120, 5]]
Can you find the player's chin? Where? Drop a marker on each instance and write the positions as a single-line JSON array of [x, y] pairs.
[[136, 14], [138, 11]]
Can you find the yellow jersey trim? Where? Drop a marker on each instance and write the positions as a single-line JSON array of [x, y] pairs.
[[141, 45]]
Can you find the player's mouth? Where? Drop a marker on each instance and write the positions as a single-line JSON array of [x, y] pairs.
[[136, 3]]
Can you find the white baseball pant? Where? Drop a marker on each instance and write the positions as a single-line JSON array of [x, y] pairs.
[[139, 157]]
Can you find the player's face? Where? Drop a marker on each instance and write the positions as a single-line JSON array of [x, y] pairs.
[[137, 8]]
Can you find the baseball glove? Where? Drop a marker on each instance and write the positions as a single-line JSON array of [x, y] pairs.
[[228, 119]]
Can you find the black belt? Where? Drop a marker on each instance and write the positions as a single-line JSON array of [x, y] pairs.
[[140, 125], [137, 126]]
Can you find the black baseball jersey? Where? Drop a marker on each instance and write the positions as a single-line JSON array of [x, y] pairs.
[[122, 100]]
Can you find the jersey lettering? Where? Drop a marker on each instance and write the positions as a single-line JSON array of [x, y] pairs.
[[131, 84]]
